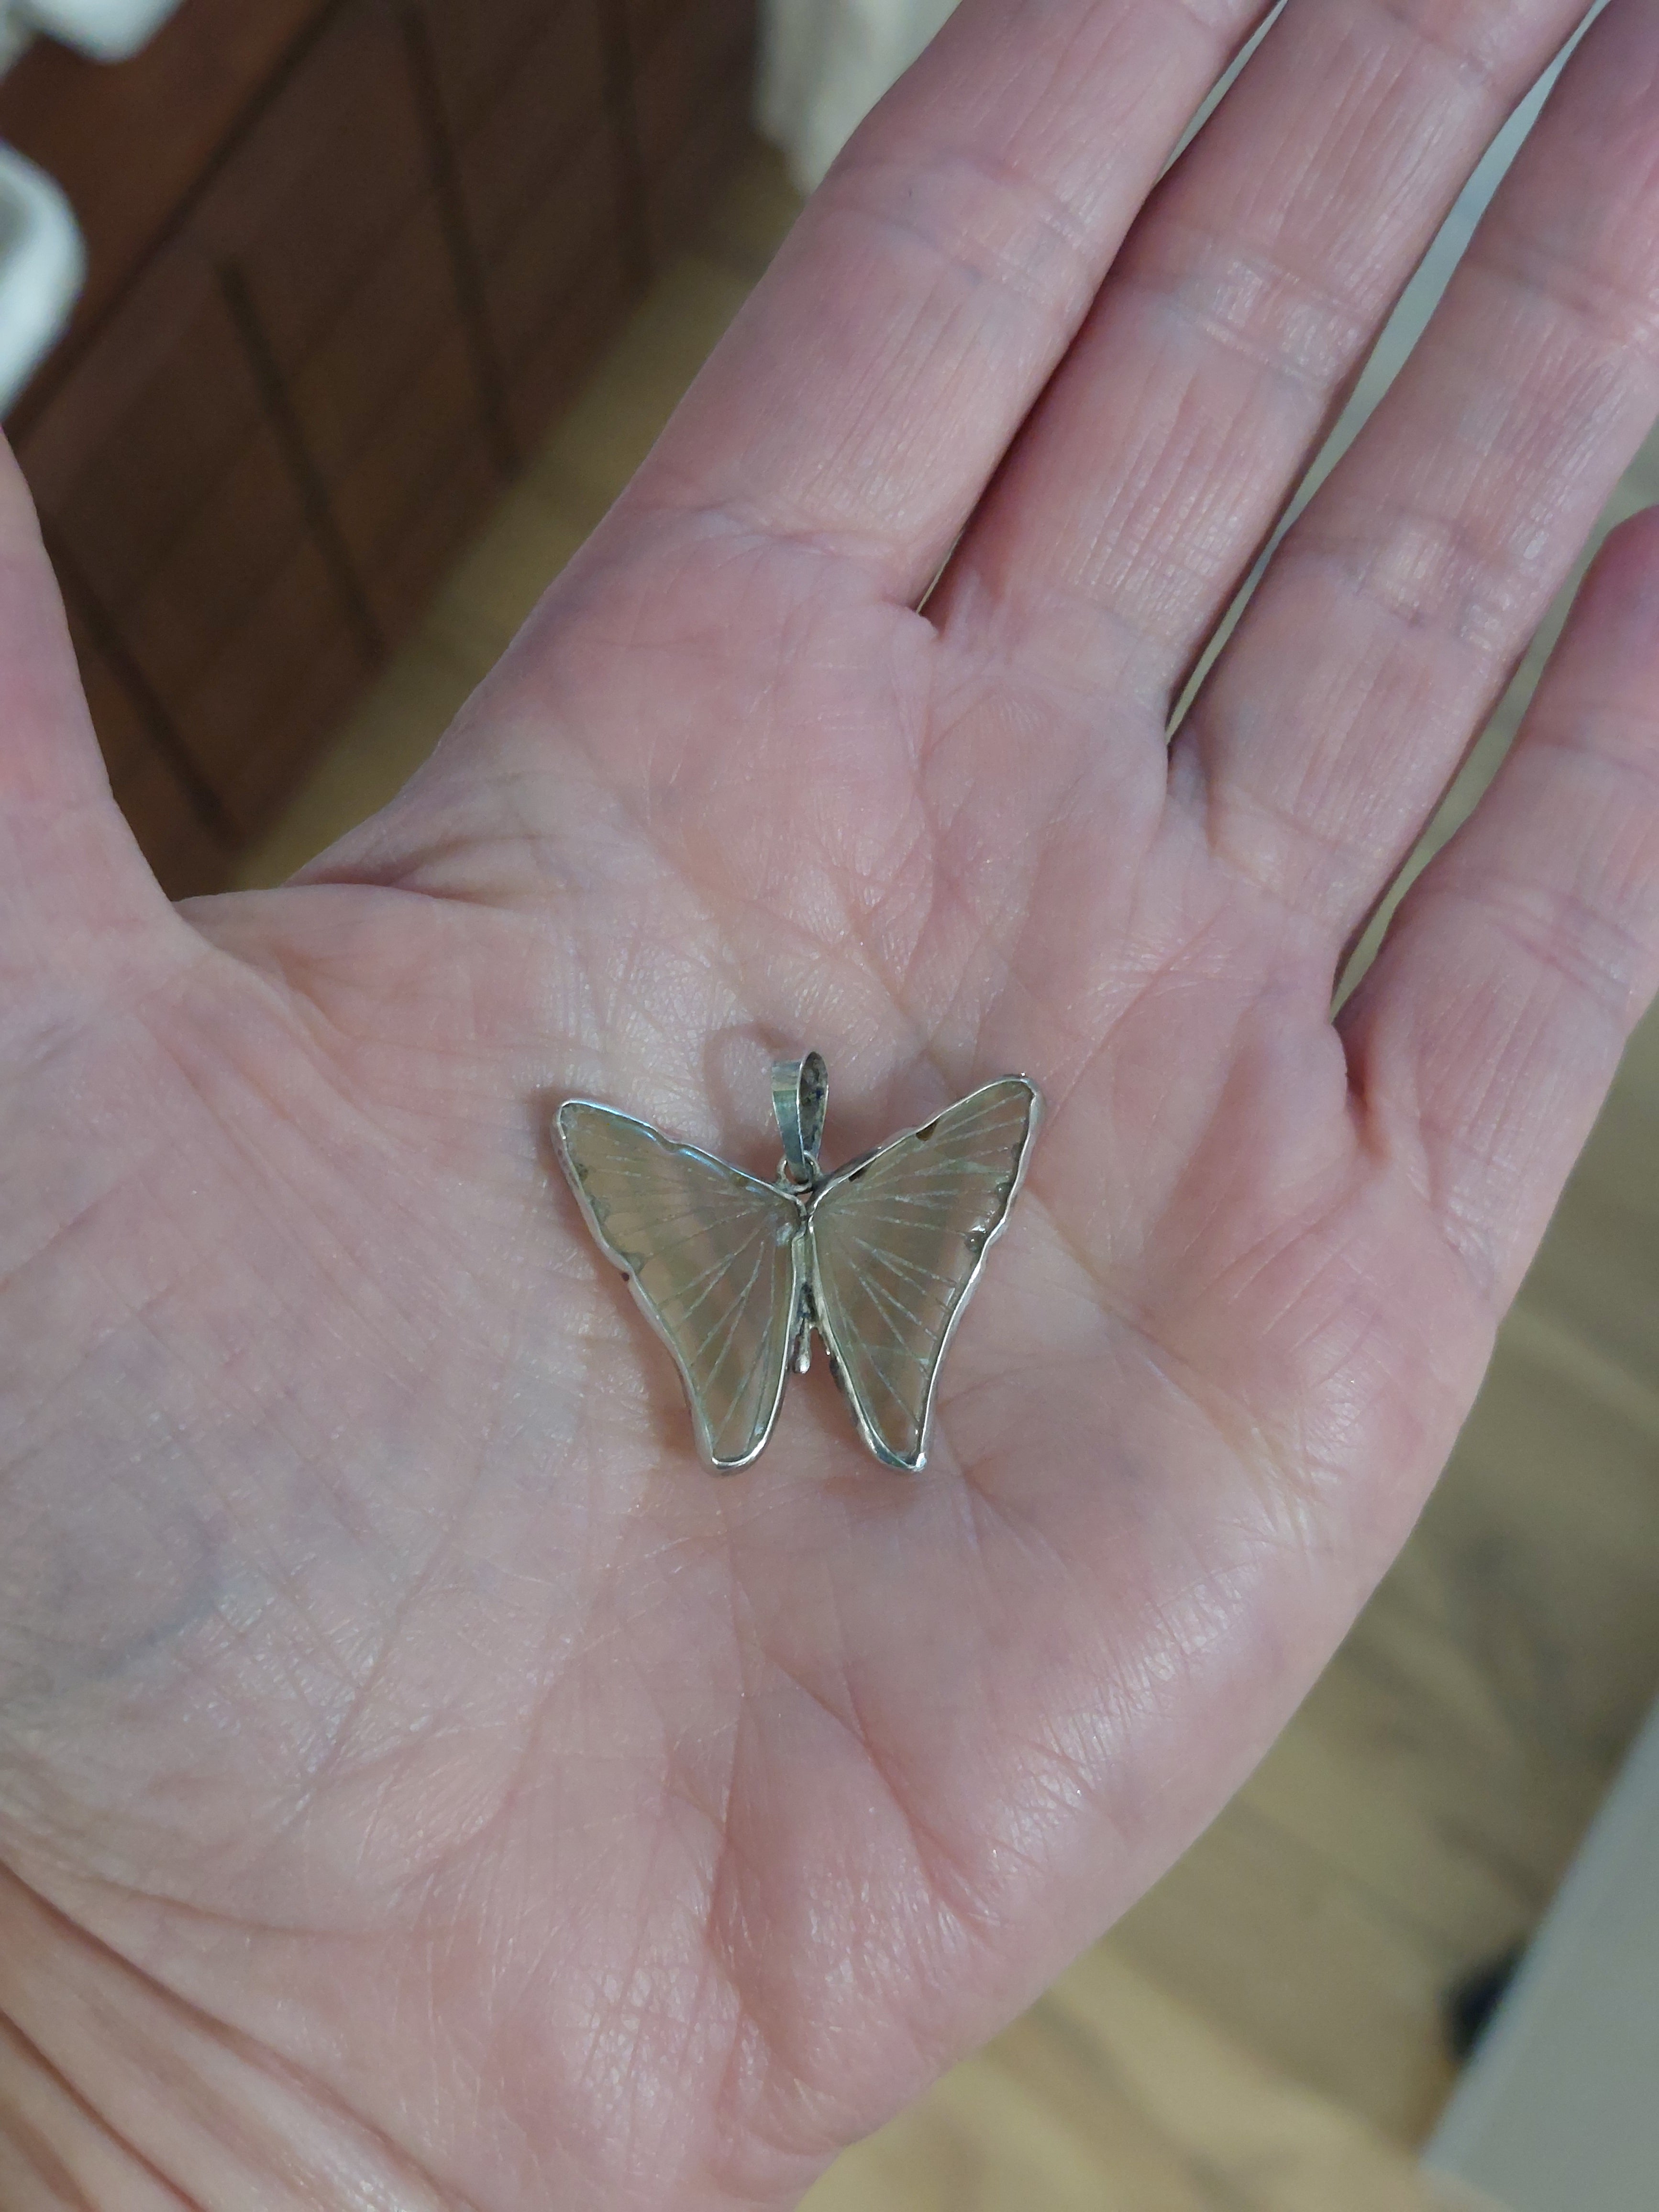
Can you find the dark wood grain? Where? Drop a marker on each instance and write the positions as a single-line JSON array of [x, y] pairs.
[[144, 427], [454, 498], [479, 46], [648, 21], [278, 683], [348, 258], [188, 856], [550, 105], [405, 501], [558, 349], [131, 144], [567, 231], [692, 97], [307, 202], [384, 332]]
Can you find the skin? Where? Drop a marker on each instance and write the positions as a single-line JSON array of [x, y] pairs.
[[420, 1784]]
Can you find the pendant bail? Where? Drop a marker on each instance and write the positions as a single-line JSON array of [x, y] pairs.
[[800, 1098]]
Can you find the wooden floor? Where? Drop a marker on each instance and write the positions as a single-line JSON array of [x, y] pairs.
[[1262, 2033]]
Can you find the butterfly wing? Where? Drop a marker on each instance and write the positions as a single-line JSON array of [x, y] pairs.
[[897, 1241], [713, 1256]]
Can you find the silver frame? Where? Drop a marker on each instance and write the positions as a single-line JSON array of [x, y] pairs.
[[799, 1089]]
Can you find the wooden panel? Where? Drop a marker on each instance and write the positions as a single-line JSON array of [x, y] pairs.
[[677, 194], [303, 334], [186, 856], [154, 417], [403, 506], [552, 101], [648, 21], [404, 307], [559, 349], [570, 228], [129, 144], [305, 204], [215, 568], [169, 492], [478, 46], [692, 97], [706, 53], [411, 564], [273, 691], [558, 287]]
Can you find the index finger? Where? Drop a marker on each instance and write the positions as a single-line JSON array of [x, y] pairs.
[[877, 375]]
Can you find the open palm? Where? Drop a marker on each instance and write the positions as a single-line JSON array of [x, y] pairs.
[[420, 1782]]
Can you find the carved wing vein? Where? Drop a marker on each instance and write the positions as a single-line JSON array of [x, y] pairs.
[[897, 1318], [724, 1326], [897, 1243], [711, 1257]]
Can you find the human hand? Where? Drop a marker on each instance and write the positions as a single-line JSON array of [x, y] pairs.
[[420, 1782]]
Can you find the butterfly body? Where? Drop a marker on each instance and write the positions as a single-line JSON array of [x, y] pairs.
[[737, 1275]]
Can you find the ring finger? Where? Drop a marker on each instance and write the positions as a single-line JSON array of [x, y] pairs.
[[1233, 322], [1390, 618]]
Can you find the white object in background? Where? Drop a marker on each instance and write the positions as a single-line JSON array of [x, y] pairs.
[[43, 263], [107, 30], [823, 65], [1557, 2111]]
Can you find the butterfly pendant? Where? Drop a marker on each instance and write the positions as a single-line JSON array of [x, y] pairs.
[[735, 1274]]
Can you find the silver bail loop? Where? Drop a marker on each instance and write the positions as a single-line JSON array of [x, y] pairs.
[[800, 1098]]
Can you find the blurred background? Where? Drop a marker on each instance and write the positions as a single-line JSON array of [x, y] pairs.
[[328, 328]]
